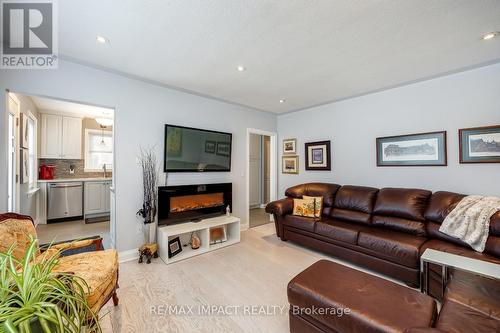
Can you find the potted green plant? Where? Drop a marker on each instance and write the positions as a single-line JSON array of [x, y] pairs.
[[35, 298]]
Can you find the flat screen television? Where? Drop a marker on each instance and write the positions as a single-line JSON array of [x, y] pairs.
[[196, 150]]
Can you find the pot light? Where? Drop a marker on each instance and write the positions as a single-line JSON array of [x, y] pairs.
[[104, 121], [282, 101], [490, 35], [101, 40], [241, 68]]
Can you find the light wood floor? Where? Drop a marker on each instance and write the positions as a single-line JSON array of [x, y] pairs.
[[254, 272]]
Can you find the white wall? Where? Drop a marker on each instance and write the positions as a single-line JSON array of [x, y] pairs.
[[141, 111], [462, 100]]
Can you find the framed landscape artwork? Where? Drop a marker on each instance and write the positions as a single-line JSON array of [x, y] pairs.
[[480, 144], [318, 156], [425, 149], [289, 146], [290, 164]]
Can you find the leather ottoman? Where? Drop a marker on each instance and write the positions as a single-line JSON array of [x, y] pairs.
[[329, 297]]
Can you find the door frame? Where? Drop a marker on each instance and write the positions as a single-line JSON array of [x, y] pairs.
[[273, 170], [16, 167], [112, 222]]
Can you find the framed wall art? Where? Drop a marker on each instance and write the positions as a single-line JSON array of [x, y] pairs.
[[290, 164], [318, 156], [210, 147], [289, 146], [174, 247], [223, 149], [480, 144], [424, 149]]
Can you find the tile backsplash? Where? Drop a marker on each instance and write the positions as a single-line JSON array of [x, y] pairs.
[[62, 169]]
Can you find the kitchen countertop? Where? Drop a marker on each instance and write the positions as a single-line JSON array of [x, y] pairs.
[[67, 180]]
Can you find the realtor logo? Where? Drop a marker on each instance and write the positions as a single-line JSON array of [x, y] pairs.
[[29, 39]]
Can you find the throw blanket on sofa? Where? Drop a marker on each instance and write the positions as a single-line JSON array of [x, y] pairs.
[[470, 220]]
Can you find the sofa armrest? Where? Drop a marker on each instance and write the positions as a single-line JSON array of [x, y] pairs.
[[73, 247], [280, 207]]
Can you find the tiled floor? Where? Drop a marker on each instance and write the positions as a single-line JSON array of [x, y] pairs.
[[70, 230]]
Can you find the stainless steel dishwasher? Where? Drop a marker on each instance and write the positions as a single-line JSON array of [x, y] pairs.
[[65, 200]]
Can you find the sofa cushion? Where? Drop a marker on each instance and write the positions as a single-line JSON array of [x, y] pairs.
[[327, 191], [474, 291], [99, 269], [338, 230], [457, 318], [413, 227], [441, 204], [354, 203], [401, 202], [376, 304], [394, 246], [303, 207], [401, 210], [300, 222]]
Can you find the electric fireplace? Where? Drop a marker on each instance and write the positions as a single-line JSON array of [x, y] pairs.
[[185, 203]]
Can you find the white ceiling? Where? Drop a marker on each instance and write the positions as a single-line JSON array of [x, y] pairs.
[[70, 108], [305, 51]]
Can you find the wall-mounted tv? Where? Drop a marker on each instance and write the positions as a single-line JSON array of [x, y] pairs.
[[196, 150]]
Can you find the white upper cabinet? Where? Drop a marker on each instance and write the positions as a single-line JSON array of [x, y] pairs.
[[71, 138], [51, 136], [61, 137]]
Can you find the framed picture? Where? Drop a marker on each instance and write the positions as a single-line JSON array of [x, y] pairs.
[[425, 149], [218, 234], [223, 149], [290, 164], [24, 166], [318, 156], [174, 247], [289, 146], [480, 144], [24, 131], [210, 147]]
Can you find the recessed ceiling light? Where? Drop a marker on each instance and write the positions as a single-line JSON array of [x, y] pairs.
[[241, 68], [490, 35], [102, 40], [282, 101]]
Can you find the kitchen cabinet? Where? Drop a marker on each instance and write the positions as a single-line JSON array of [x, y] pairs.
[[97, 197], [61, 137]]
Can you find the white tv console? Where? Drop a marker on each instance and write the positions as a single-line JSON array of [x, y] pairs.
[[202, 228]]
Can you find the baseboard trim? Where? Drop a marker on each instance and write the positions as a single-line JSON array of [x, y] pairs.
[[128, 255]]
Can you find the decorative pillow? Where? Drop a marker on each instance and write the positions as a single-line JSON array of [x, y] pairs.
[[302, 207], [318, 204]]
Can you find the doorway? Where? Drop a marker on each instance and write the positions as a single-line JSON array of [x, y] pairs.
[[261, 164], [61, 167]]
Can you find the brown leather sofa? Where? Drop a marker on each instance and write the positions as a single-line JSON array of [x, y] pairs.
[[385, 230]]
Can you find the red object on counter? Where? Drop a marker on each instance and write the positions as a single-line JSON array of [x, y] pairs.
[[46, 171]]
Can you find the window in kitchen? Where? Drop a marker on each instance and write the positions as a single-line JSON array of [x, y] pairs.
[[98, 150]]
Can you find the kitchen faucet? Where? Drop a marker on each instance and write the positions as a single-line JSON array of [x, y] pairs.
[[104, 170]]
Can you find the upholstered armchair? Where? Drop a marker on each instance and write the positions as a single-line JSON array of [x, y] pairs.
[[98, 268]]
